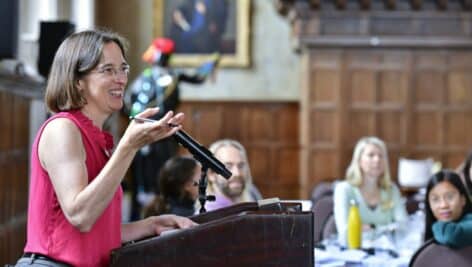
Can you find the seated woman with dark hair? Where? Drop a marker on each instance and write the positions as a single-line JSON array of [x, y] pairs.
[[178, 181], [448, 210]]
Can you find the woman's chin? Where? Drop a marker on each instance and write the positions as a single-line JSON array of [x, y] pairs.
[[445, 218], [116, 106]]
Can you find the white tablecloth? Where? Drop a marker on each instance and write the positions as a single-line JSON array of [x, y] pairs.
[[392, 246]]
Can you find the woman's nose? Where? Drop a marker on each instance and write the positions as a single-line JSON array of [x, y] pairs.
[[443, 203], [122, 79]]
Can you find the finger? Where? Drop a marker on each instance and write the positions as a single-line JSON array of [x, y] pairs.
[[185, 222], [148, 112], [164, 132], [164, 126], [165, 119], [177, 119], [165, 228]]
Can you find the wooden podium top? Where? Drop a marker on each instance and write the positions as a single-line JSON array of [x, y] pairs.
[[246, 234]]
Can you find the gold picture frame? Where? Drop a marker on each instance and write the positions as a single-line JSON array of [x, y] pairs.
[[234, 44]]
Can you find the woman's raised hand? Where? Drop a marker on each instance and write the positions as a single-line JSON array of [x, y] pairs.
[[143, 132]]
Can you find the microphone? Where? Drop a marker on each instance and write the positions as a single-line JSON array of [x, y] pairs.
[[201, 153]]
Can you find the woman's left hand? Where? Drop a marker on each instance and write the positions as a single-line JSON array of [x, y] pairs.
[[166, 222]]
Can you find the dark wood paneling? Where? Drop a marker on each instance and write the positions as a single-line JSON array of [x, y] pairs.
[[413, 23], [397, 71], [14, 147], [417, 101]]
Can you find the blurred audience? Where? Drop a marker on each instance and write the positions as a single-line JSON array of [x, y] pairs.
[[368, 182], [448, 210], [178, 182]]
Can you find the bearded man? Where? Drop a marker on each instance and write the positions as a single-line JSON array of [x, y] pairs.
[[239, 187]]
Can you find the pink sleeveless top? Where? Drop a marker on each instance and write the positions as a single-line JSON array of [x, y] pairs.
[[48, 231]]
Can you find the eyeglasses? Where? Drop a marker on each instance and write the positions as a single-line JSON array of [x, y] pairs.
[[231, 165], [448, 197], [110, 71]]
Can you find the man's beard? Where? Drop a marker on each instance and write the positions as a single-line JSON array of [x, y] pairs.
[[233, 191]]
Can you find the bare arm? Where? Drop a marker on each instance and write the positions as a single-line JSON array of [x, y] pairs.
[[63, 156]]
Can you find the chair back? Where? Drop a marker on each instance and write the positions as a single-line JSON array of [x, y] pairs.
[[322, 210], [329, 227], [320, 190], [431, 254]]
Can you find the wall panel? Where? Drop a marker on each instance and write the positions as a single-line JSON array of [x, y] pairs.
[[418, 101], [14, 155]]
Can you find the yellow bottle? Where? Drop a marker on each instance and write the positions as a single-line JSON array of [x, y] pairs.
[[354, 227]]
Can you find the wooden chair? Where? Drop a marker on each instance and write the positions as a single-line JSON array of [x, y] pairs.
[[432, 254]]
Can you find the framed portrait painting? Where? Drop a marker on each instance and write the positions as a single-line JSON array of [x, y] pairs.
[[201, 28]]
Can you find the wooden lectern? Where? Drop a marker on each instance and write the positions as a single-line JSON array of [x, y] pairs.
[[246, 234]]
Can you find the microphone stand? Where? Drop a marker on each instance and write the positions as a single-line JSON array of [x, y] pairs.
[[201, 154], [202, 185], [207, 160]]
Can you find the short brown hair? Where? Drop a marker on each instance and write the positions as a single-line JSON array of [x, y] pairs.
[[76, 56]]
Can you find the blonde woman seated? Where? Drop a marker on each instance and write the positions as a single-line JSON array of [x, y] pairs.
[[368, 183]]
